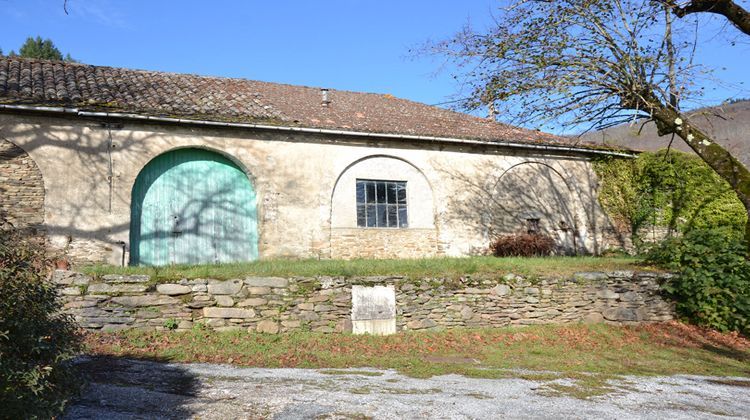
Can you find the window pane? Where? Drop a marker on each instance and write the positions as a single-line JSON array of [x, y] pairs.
[[382, 214], [381, 192], [401, 192], [370, 188], [402, 219], [392, 192], [371, 219], [381, 203], [392, 215], [360, 192], [361, 216]]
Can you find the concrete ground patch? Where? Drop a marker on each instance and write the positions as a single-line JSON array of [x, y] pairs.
[[125, 388]]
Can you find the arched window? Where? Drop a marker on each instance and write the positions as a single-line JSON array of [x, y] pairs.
[[382, 192]]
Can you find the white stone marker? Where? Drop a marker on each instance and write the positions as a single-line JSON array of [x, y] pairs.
[[374, 310]]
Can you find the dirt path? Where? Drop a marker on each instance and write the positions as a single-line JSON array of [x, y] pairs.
[[123, 388]]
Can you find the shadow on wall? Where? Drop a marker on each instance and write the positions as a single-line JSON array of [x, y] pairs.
[[529, 197], [90, 166], [87, 150], [130, 388]]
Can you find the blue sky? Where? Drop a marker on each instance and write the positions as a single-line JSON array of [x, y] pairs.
[[343, 44]]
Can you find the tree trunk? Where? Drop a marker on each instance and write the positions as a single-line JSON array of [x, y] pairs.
[[727, 8], [717, 157]]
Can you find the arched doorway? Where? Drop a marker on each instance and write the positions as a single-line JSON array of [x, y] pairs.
[[192, 206]]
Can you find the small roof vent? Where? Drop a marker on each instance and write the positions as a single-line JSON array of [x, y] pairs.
[[492, 112], [325, 99]]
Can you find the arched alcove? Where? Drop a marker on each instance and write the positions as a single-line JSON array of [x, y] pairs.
[[193, 206], [21, 190], [535, 197]]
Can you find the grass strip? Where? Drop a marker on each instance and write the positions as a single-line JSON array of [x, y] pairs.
[[535, 352], [414, 268]]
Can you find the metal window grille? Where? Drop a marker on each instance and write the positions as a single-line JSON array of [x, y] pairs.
[[381, 204]]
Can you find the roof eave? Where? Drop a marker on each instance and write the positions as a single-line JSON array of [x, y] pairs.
[[312, 130]]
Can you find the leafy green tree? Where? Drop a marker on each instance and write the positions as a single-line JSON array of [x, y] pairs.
[[40, 48], [594, 64]]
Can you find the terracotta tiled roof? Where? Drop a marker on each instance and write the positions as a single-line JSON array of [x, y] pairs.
[[55, 83]]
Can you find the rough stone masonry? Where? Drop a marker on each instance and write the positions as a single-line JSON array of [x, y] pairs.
[[324, 304]]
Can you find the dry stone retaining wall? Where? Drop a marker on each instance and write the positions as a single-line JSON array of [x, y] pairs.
[[323, 304]]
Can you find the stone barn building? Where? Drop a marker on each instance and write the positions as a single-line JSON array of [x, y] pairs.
[[139, 167]]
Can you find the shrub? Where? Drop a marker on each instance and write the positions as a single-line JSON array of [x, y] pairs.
[[712, 286], [37, 340], [522, 245]]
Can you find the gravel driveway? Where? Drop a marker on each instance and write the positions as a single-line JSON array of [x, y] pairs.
[[124, 388]]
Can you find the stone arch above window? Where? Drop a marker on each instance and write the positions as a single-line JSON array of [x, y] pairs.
[[21, 190], [393, 171]]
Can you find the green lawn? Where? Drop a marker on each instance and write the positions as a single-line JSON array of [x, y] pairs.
[[588, 354], [416, 268]]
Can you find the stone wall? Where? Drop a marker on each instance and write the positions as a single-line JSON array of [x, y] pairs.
[[21, 189], [383, 243], [323, 304]]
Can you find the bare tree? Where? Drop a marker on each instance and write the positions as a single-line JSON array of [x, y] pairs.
[[590, 64]]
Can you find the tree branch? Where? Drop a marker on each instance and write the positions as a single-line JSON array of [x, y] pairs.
[[727, 8]]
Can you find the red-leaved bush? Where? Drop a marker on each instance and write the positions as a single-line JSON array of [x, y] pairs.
[[522, 245]]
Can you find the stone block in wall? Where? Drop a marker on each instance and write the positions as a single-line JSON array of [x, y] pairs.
[[65, 277], [223, 300], [421, 324], [275, 282], [267, 327], [227, 287], [620, 314], [126, 278], [630, 297], [622, 274], [252, 302], [501, 290], [258, 290], [199, 288], [210, 312], [71, 291], [607, 294], [591, 276], [171, 289], [144, 300], [200, 301], [106, 288]]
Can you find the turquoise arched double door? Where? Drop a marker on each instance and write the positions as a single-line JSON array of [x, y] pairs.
[[192, 206]]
